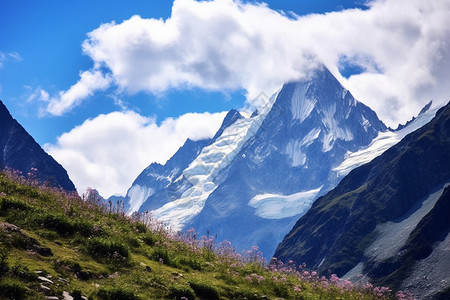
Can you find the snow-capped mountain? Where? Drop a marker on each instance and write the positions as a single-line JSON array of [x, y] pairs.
[[259, 174], [156, 180]]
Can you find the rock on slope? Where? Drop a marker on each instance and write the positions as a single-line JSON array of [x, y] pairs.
[[387, 219], [19, 151]]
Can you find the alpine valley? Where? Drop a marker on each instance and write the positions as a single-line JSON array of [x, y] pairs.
[[311, 176]]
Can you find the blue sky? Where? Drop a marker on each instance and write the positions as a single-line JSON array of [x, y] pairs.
[[48, 36], [46, 47]]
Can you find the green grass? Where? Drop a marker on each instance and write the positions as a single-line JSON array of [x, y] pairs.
[[109, 256]]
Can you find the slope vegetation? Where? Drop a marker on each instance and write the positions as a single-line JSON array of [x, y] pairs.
[[54, 245]]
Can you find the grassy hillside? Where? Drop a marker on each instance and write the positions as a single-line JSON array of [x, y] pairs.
[[54, 244]]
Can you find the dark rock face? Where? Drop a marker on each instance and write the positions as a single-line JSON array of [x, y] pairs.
[[339, 229], [19, 151]]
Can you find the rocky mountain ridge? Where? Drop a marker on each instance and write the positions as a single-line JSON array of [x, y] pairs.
[[387, 219], [19, 151]]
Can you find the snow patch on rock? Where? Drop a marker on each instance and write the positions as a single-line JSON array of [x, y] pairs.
[[381, 143], [275, 206], [137, 195], [395, 234], [301, 106]]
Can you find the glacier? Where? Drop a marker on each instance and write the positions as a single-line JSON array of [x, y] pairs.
[[301, 105], [204, 169], [382, 142], [137, 195], [274, 206]]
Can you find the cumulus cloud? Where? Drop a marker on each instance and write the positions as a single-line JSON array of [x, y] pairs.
[[402, 46], [90, 82], [37, 94], [210, 44], [109, 151]]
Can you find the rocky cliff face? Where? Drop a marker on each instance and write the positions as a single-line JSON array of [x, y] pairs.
[[19, 151], [387, 219]]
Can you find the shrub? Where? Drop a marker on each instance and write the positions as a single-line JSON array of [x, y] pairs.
[[84, 227], [140, 227], [108, 249], [132, 241], [204, 290], [179, 291], [59, 223], [280, 291], [23, 273], [161, 255], [3, 261], [116, 294], [8, 203], [49, 234], [12, 289], [64, 226], [149, 239], [245, 294], [19, 240], [194, 263], [21, 218], [77, 295]]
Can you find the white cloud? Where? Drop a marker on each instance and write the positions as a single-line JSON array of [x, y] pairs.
[[43, 95], [110, 151], [13, 55], [226, 45], [211, 44], [403, 46], [36, 94], [90, 82]]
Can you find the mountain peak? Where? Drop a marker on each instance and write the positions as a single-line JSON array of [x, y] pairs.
[[4, 113], [424, 109], [19, 151], [319, 91], [231, 117], [319, 101], [258, 174]]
